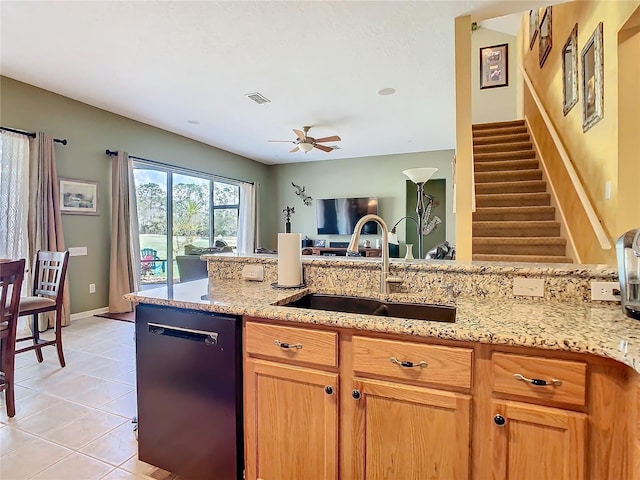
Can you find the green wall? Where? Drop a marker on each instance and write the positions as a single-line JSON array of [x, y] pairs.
[[379, 176], [90, 131]]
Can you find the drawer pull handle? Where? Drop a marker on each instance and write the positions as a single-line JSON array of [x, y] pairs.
[[287, 345], [408, 364], [538, 382]]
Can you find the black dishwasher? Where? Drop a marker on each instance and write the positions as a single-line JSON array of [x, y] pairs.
[[189, 380]]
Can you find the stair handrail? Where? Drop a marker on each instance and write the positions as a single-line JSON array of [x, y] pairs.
[[601, 235]]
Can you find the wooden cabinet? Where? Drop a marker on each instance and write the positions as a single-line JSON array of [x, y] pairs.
[[399, 408], [403, 432], [290, 403], [532, 442], [291, 422], [537, 441]]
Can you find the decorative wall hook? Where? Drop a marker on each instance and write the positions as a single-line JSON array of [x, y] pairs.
[[300, 192]]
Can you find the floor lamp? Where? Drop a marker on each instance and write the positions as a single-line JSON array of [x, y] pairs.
[[420, 176]]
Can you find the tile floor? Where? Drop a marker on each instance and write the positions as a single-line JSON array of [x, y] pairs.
[[75, 422]]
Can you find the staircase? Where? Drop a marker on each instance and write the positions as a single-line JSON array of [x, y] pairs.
[[514, 220]]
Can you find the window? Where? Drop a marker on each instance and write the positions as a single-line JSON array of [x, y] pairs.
[[177, 208]]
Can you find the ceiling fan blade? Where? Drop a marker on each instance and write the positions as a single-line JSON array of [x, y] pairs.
[[281, 141], [323, 148], [294, 149], [334, 138], [300, 134]]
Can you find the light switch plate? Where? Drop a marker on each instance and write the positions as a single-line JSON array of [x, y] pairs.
[[77, 251], [253, 272], [529, 287]]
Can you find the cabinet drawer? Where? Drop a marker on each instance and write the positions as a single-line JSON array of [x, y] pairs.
[[309, 346], [444, 365], [572, 375]]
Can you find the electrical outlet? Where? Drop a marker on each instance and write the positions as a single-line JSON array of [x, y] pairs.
[[605, 291], [253, 272], [530, 287], [92, 288]]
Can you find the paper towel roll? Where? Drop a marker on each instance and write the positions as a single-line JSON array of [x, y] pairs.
[[289, 259]]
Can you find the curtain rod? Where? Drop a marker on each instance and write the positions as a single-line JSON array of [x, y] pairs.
[[63, 141], [166, 165]]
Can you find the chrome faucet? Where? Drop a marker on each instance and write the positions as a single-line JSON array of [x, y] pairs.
[[352, 249]]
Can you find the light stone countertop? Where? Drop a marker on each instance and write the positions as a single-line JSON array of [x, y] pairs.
[[574, 327]]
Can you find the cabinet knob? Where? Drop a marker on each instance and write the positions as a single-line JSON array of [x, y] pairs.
[[328, 390], [356, 394], [499, 420]]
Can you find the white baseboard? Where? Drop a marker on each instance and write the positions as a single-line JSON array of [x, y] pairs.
[[88, 313]]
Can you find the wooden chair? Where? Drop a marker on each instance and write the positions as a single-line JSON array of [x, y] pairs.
[[11, 276], [49, 272]]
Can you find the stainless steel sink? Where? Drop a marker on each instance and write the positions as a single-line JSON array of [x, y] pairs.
[[368, 306]]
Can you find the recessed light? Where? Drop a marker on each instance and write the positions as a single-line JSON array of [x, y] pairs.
[[387, 91], [194, 122]]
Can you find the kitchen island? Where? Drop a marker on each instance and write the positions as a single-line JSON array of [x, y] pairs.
[[361, 407]]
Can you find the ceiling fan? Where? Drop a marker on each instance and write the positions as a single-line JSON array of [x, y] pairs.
[[306, 143]]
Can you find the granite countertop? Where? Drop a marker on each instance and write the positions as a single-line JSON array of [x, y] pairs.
[[574, 327]]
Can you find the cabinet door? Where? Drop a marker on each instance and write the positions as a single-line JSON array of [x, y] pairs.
[[531, 442], [402, 432], [291, 422]]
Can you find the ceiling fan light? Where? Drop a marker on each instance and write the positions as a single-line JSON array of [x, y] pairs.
[[305, 147]]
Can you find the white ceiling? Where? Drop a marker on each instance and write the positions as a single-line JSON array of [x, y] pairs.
[[321, 63]]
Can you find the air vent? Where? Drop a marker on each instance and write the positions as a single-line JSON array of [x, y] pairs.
[[257, 97], [335, 147]]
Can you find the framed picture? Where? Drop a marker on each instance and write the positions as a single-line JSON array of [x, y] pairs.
[[533, 27], [494, 66], [545, 36], [570, 71], [78, 197], [592, 80], [320, 243]]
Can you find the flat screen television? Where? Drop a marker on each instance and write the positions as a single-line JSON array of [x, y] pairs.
[[338, 216]]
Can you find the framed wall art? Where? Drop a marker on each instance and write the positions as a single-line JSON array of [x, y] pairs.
[[533, 27], [78, 197], [545, 36], [570, 71], [592, 80], [494, 66]]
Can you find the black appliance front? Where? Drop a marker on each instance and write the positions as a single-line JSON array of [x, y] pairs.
[[189, 378]]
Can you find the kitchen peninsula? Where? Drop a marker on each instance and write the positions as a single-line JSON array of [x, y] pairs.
[[517, 387]]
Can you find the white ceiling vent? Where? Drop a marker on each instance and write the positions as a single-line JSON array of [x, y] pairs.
[[257, 97], [335, 147]]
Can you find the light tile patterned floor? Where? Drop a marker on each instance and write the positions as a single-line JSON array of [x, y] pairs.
[[75, 422]]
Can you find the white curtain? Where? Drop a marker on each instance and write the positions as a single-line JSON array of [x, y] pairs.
[[124, 272], [248, 219], [14, 195]]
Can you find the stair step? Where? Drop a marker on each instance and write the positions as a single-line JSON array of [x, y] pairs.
[[488, 132], [502, 147], [521, 258], [543, 228], [519, 245], [505, 165], [504, 156], [505, 138], [525, 186], [507, 176], [512, 199], [494, 125], [488, 214]]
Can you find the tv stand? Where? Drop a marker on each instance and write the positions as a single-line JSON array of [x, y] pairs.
[[341, 252]]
